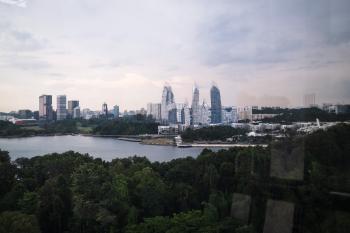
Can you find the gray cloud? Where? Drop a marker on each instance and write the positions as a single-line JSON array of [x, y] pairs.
[[23, 62], [19, 3], [242, 45], [12, 39]]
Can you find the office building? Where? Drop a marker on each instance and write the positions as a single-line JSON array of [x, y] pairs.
[[61, 111], [76, 112], [104, 112], [154, 110], [245, 113], [204, 114], [172, 114], [186, 115], [167, 101], [72, 104], [195, 107], [45, 107], [116, 111], [229, 115], [179, 112], [216, 108]]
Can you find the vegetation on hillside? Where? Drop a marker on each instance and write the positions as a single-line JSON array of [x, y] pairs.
[[211, 133], [128, 126], [302, 115], [72, 192]]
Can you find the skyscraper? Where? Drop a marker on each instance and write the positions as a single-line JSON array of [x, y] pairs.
[[116, 111], [216, 109], [104, 110], [186, 115], [71, 105], [167, 101], [204, 114], [61, 107], [172, 114], [195, 106], [45, 107]]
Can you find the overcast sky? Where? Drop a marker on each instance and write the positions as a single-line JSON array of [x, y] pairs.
[[263, 52]]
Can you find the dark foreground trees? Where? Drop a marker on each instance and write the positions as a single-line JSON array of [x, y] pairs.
[[72, 192]]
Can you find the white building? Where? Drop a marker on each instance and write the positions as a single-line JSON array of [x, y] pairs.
[[154, 110], [204, 114], [229, 115], [88, 114], [195, 106], [186, 115], [245, 113]]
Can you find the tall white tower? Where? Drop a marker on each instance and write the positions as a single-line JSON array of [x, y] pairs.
[[195, 106]]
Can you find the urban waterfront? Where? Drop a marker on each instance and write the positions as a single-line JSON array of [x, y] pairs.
[[105, 148]]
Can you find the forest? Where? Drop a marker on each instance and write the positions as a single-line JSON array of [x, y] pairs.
[[73, 192], [212, 133], [132, 125]]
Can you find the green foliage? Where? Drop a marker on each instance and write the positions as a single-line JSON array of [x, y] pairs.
[[303, 114], [125, 126], [17, 222], [211, 133], [7, 173], [71, 192]]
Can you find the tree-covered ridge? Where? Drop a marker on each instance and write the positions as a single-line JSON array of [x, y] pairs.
[[72, 192], [301, 115], [129, 126], [211, 133]]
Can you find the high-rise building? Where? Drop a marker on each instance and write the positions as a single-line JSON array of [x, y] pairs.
[[61, 107], [76, 112], [45, 107], [310, 100], [195, 106], [186, 115], [104, 110], [72, 104], [172, 114], [204, 114], [154, 110], [167, 101], [179, 112], [116, 111], [216, 108]]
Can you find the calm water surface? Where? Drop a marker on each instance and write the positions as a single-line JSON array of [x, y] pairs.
[[105, 148]]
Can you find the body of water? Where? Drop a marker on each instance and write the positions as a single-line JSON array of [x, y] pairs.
[[105, 148]]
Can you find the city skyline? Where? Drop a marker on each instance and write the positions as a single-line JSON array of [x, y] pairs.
[[100, 52]]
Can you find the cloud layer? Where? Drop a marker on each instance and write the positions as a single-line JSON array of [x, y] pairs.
[[267, 52]]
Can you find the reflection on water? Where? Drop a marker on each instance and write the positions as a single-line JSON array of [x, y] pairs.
[[105, 148]]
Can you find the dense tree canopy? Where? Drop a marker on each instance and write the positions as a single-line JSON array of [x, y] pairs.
[[72, 192], [212, 133]]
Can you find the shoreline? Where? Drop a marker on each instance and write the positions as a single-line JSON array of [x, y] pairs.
[[152, 142]]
